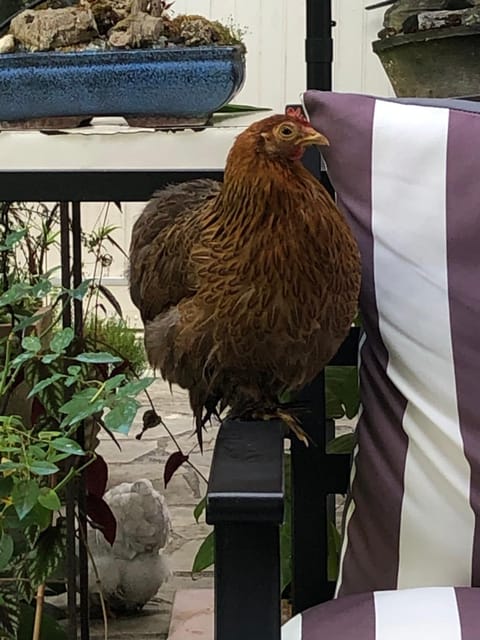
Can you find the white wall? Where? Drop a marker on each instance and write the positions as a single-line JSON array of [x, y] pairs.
[[275, 34], [356, 68]]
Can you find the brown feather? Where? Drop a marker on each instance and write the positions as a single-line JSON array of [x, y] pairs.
[[246, 289]]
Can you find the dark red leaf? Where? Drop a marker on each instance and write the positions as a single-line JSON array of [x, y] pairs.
[[174, 462], [121, 368], [101, 517], [111, 298], [102, 370], [96, 477], [38, 410], [151, 419]]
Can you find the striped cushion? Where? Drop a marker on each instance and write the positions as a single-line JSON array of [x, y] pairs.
[[441, 613], [408, 178]]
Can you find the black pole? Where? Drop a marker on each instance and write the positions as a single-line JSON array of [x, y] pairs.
[[319, 45], [312, 507], [70, 491], [81, 492]]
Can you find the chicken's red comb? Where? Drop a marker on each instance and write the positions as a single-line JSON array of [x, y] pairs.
[[298, 113]]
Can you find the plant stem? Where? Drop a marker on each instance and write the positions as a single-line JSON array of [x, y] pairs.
[[98, 394], [6, 366], [73, 472], [40, 598], [175, 441]]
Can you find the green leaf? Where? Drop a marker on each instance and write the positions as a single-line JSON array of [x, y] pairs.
[[286, 396], [48, 435], [50, 357], [286, 528], [24, 497], [74, 369], [62, 340], [342, 444], [97, 357], [12, 239], [28, 321], [81, 407], [205, 555], [9, 612], [66, 445], [50, 629], [6, 486], [342, 392], [31, 343], [122, 415], [16, 293], [11, 466], [43, 384], [334, 549], [81, 291], [53, 395], [42, 288], [39, 517], [49, 499], [49, 553], [240, 108], [200, 508], [116, 381], [43, 468], [6, 550], [22, 358], [135, 387], [35, 452], [58, 457]]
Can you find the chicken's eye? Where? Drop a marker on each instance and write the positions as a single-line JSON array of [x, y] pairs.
[[286, 131]]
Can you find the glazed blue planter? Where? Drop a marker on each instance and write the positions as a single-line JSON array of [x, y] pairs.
[[160, 87]]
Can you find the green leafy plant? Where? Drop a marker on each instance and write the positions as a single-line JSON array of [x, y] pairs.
[[114, 335], [67, 381]]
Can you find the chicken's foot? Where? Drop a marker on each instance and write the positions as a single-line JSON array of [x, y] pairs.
[[290, 420]]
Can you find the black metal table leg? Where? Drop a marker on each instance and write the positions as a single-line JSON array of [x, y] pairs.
[[80, 485], [71, 494]]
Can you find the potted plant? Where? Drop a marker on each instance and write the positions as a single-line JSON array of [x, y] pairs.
[[430, 48], [65, 61]]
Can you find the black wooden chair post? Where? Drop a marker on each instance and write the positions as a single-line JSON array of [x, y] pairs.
[[245, 503], [317, 478]]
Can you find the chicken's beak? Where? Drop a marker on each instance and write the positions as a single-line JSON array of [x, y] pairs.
[[312, 137]]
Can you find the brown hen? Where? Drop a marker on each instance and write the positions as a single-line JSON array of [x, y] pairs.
[[246, 288]]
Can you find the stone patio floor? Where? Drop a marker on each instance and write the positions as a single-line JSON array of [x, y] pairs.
[[146, 458]]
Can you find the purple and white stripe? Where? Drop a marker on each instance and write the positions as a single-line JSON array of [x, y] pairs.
[[407, 178], [435, 613]]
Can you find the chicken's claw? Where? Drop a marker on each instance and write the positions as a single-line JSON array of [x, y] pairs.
[[290, 420]]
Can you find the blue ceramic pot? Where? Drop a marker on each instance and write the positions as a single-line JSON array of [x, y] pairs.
[[171, 85]]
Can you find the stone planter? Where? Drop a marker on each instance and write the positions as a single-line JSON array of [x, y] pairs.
[[178, 86], [437, 63]]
